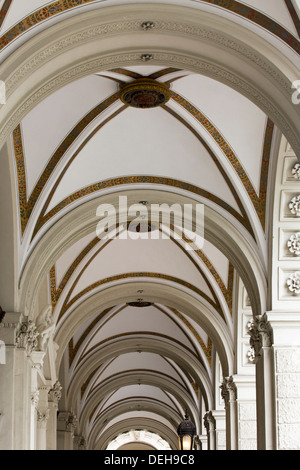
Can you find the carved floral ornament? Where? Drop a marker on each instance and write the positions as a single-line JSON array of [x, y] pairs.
[[294, 206], [293, 244], [296, 171], [293, 283]]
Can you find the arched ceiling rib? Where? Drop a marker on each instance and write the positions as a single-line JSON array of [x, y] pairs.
[[280, 19], [231, 181]]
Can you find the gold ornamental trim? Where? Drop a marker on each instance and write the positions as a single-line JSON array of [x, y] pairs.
[[145, 93]]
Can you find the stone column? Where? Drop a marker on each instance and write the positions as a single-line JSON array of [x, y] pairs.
[[246, 408], [210, 425], [203, 442], [8, 330], [262, 354], [229, 395], [66, 425], [42, 418], [215, 423], [286, 335], [53, 398]]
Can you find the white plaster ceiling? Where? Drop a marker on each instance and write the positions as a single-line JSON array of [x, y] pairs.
[[149, 143]]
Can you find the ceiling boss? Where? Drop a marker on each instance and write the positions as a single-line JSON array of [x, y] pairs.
[[145, 93]]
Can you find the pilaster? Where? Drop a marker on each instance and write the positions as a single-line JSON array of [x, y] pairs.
[[262, 354], [54, 396], [229, 395]]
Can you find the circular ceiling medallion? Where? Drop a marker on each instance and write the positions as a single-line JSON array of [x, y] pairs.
[[139, 304], [145, 93]]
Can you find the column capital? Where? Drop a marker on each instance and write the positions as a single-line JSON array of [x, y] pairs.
[[26, 336], [66, 421], [79, 443], [228, 390], [209, 422], [261, 336], [54, 394]]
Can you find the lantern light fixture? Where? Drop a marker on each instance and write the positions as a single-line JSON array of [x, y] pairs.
[[186, 432]]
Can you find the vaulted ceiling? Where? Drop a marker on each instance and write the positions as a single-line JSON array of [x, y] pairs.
[[208, 144]]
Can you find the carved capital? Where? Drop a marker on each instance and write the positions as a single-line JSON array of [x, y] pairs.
[[209, 422], [54, 394], [228, 390], [79, 443], [261, 335], [67, 421], [26, 336]]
